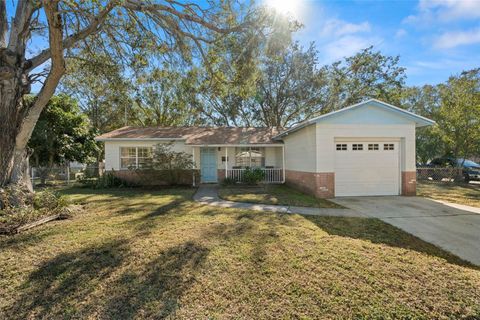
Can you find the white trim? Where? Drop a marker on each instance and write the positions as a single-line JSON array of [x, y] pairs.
[[283, 163], [139, 139], [236, 145], [422, 121]]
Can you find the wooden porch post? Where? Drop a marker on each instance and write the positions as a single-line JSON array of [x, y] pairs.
[[226, 161], [283, 163]]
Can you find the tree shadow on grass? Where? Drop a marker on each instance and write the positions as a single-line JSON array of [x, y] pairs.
[[56, 287], [377, 231], [60, 287], [154, 291]]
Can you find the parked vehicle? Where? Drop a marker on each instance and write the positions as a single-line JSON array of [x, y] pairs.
[[470, 169]]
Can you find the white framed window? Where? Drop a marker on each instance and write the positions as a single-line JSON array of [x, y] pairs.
[[134, 157], [341, 146], [388, 146], [373, 146], [357, 146], [249, 157]]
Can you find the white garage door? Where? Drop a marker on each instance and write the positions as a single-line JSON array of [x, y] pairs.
[[365, 168]]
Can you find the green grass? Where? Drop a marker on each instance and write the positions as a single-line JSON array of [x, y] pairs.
[[156, 254], [273, 194], [467, 194]]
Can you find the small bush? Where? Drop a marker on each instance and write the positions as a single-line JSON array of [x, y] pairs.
[[228, 181], [253, 176], [107, 180], [48, 200]]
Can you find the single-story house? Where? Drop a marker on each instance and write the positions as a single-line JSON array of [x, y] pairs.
[[365, 149]]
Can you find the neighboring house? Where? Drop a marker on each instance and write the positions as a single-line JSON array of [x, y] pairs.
[[365, 149]]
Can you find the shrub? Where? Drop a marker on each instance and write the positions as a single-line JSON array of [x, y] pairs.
[[253, 176], [228, 181], [169, 163], [48, 200], [105, 181]]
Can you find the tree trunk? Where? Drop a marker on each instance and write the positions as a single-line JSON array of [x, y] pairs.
[[18, 119], [13, 85]]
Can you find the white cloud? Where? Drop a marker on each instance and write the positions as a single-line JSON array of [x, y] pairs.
[[336, 27], [400, 33], [445, 10], [453, 39], [339, 38], [347, 46]]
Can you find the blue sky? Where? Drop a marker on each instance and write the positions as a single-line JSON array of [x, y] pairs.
[[434, 38]]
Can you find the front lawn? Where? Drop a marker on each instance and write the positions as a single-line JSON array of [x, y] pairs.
[[277, 194], [156, 254], [467, 194]]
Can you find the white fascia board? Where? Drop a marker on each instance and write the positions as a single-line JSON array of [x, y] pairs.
[[140, 139], [237, 145]]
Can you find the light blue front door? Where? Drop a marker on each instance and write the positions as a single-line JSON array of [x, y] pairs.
[[208, 163]]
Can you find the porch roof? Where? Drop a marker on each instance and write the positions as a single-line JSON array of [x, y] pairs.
[[197, 135]]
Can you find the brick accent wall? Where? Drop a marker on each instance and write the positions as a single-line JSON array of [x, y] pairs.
[[321, 185], [409, 183], [156, 177], [220, 174]]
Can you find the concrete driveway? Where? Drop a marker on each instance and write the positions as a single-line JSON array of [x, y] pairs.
[[454, 228]]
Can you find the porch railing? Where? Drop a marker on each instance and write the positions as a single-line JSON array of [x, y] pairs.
[[271, 175]]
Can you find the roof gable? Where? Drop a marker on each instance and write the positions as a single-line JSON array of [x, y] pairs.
[[377, 105], [368, 112]]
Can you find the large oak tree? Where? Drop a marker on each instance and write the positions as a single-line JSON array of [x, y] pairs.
[[119, 28]]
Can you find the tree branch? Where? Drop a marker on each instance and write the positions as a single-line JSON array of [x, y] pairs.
[[20, 28], [155, 8], [56, 72], [74, 38]]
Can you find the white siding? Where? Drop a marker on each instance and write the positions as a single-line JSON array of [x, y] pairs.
[[112, 150], [301, 150], [327, 133], [273, 155]]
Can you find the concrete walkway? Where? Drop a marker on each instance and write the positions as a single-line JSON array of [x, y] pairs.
[[208, 194]]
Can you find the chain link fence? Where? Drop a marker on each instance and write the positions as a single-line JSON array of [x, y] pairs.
[[440, 174], [62, 175]]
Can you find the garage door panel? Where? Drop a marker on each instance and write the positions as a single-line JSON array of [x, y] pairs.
[[367, 172]]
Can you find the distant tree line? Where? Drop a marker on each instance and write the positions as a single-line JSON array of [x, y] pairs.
[[262, 77]]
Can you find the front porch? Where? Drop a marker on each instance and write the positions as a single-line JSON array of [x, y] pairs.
[[217, 162]]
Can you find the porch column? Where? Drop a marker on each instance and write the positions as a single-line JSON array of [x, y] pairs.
[[226, 162], [194, 165], [283, 163]]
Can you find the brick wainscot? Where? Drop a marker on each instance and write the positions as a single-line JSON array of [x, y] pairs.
[[321, 184]]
